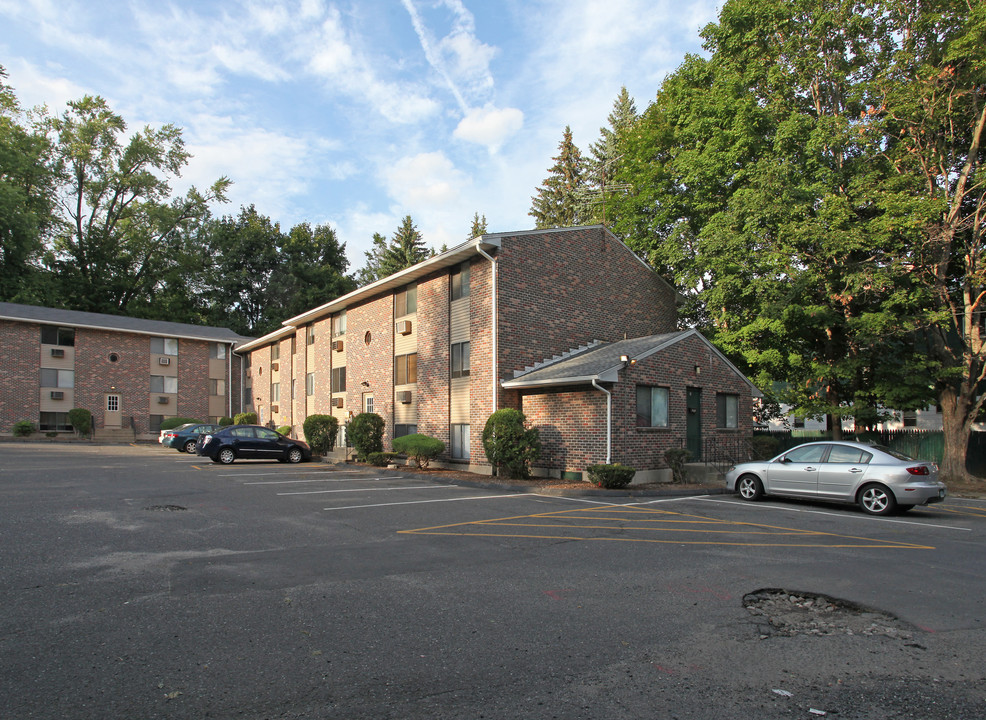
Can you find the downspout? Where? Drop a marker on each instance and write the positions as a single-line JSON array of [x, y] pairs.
[[609, 420], [229, 390], [493, 323]]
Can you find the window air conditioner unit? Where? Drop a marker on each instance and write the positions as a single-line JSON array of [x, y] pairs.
[[162, 400], [249, 372], [404, 396], [404, 327], [58, 352], [164, 361], [337, 345], [57, 395], [337, 402], [275, 366], [274, 409]]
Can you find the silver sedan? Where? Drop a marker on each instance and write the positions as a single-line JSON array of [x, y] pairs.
[[880, 480]]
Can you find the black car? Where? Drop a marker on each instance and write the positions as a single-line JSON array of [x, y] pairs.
[[186, 437], [251, 442]]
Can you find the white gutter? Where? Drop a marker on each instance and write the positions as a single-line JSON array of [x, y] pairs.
[[609, 421], [229, 388], [493, 322]]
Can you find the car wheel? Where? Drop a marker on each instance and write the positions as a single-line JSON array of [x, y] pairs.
[[295, 455], [190, 447], [750, 487], [226, 456], [877, 500]]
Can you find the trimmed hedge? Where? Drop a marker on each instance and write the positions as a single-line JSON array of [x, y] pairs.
[[171, 423], [381, 459], [509, 444], [422, 449], [245, 418], [285, 430], [610, 476], [81, 421], [320, 432], [365, 431], [224, 421]]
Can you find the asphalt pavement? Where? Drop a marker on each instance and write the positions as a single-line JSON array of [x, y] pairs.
[[138, 582]]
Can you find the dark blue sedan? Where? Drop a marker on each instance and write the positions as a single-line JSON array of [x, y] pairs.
[[184, 438], [251, 442]]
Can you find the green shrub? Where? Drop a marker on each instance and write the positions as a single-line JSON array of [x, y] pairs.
[[509, 445], [610, 476], [23, 428], [422, 449], [765, 447], [365, 432], [224, 421], [81, 421], [51, 434], [676, 459], [285, 430], [245, 418], [320, 432], [381, 459], [170, 423]]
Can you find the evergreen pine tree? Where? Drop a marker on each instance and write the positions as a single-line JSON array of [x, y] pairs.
[[557, 203], [478, 226], [406, 248]]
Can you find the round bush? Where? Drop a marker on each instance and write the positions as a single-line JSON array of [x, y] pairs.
[[610, 476], [224, 421], [23, 428], [245, 418], [81, 420], [381, 459], [509, 445], [365, 432], [320, 432]]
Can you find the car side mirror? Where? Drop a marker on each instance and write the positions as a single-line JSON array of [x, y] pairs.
[[784, 459]]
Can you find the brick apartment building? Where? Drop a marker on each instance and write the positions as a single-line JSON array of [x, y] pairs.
[[567, 325], [130, 373]]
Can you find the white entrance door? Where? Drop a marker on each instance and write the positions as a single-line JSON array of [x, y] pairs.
[[113, 417]]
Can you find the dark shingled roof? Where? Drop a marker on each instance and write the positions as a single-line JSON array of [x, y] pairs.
[[76, 318]]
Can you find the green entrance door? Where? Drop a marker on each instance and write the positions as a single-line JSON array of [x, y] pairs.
[[693, 423]]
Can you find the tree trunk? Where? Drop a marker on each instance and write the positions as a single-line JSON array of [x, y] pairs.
[[835, 425], [956, 428]]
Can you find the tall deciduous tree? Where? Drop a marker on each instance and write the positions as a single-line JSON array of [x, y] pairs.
[[118, 215], [558, 202], [312, 270]]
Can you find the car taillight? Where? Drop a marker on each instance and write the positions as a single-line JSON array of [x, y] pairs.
[[919, 470], [206, 439]]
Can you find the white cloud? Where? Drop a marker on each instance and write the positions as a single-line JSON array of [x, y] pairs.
[[426, 181], [489, 126], [33, 86]]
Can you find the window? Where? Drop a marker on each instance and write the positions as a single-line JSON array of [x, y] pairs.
[[460, 359], [266, 434], [164, 384], [368, 402], [275, 351], [339, 379], [460, 441], [217, 387], [57, 378], [807, 454], [310, 335], [52, 335], [339, 324], [164, 346], [154, 423], [402, 430], [406, 369], [54, 421], [248, 396], [294, 344], [727, 411], [217, 351], [460, 281], [798, 422], [652, 407], [910, 418], [275, 392], [310, 384], [293, 387], [406, 301], [846, 454]]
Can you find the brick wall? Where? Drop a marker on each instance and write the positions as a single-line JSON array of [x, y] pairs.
[[20, 377], [371, 363], [433, 357], [572, 427]]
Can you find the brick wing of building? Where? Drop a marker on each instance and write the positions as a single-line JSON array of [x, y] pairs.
[[567, 325], [130, 373]]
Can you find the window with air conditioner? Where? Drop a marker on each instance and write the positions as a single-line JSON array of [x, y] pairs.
[[339, 324], [406, 301], [57, 395], [338, 379], [54, 335], [404, 327], [404, 396], [58, 352]]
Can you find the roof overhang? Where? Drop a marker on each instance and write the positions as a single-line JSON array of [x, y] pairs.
[[456, 255], [608, 376], [165, 332], [267, 339]]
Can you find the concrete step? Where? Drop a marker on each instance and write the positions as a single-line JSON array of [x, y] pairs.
[[113, 435], [701, 473]]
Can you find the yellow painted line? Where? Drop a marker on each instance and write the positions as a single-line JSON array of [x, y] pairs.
[[678, 524]]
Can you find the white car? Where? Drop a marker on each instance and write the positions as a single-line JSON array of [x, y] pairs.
[[880, 480]]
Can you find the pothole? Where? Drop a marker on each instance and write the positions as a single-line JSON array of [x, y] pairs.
[[788, 613], [166, 508]]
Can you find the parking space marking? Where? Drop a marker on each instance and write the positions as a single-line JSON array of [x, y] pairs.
[[870, 518], [428, 502], [620, 523], [374, 489], [968, 510]]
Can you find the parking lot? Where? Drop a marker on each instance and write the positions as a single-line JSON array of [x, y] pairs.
[[141, 582]]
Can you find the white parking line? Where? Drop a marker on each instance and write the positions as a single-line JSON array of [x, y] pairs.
[[294, 482], [751, 506], [423, 502], [351, 490]]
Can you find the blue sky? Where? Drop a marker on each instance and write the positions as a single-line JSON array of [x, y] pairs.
[[358, 113]]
